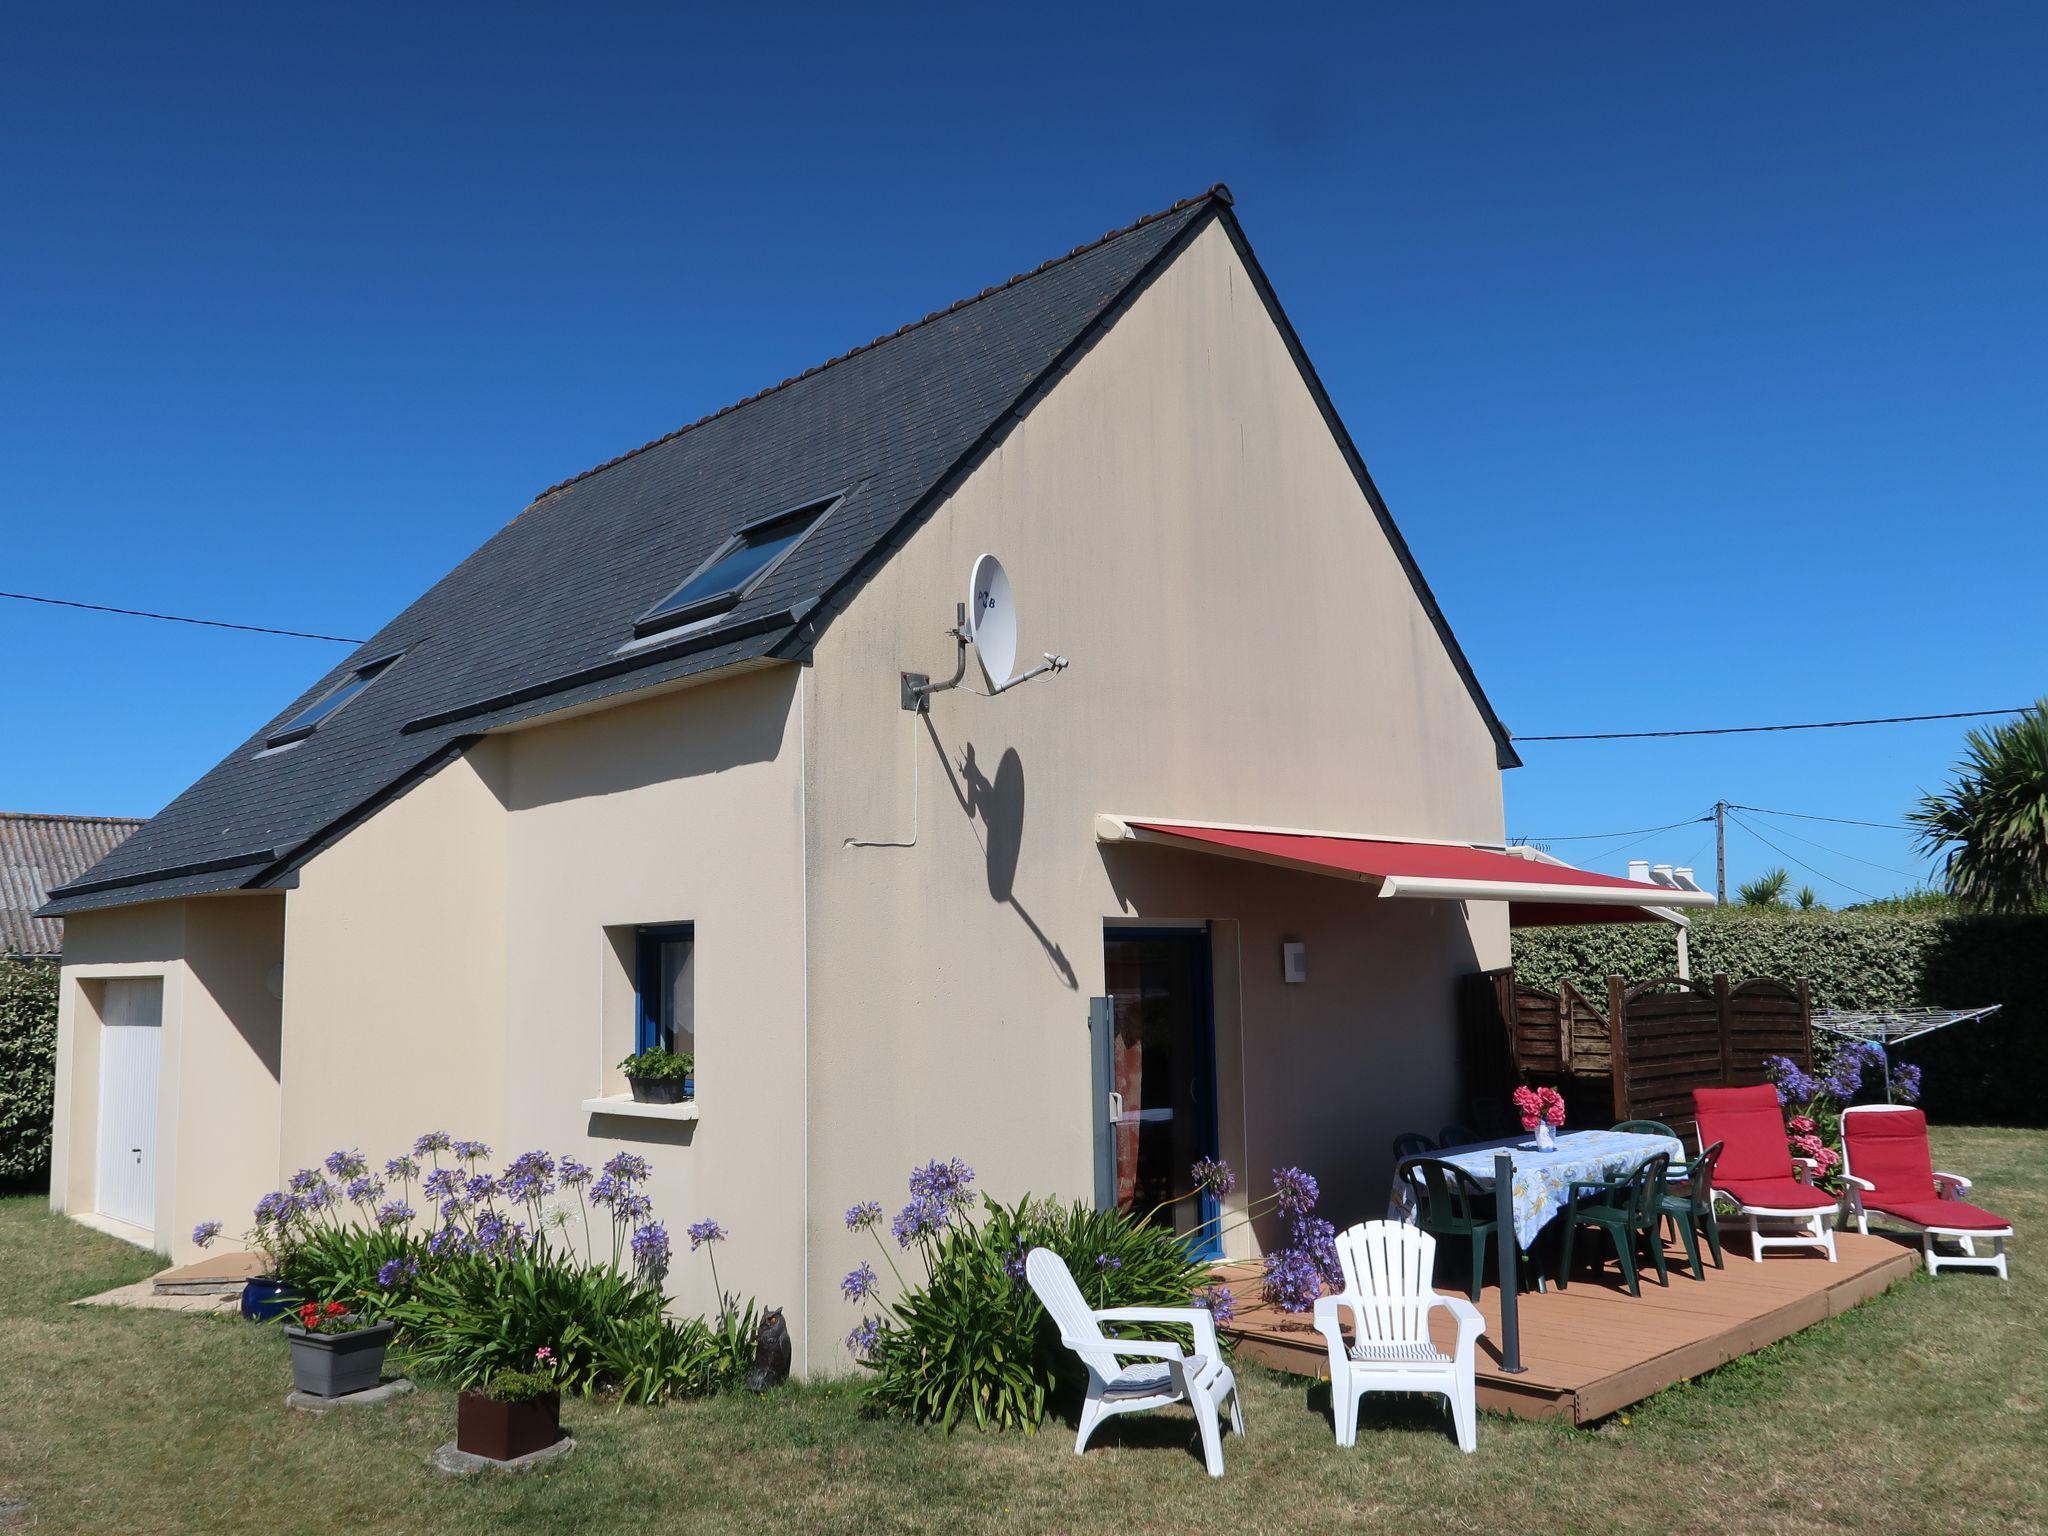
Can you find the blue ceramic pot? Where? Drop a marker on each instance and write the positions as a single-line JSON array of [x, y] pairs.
[[265, 1298], [690, 1086]]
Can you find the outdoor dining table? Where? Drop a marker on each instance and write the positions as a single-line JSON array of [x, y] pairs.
[[1542, 1181]]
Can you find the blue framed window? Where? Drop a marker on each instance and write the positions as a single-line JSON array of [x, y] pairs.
[[664, 988], [736, 567], [308, 720]]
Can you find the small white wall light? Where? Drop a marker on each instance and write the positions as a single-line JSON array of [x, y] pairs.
[[1294, 963]]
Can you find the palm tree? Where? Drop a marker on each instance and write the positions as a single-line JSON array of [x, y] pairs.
[[1991, 824], [1766, 890], [1808, 898]]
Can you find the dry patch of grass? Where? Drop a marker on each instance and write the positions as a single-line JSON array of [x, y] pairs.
[[121, 1422]]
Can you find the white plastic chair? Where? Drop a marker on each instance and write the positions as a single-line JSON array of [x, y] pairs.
[[1168, 1374], [1387, 1270]]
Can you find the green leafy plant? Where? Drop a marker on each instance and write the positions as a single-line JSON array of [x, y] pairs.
[[28, 1070], [967, 1338], [1991, 824], [656, 1064], [526, 1384], [1767, 890]]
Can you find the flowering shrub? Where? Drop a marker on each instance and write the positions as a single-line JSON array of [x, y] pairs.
[[1539, 1106], [483, 1270], [1296, 1271], [965, 1336], [1816, 1099]]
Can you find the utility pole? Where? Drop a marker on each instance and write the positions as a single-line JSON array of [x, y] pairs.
[[1721, 852]]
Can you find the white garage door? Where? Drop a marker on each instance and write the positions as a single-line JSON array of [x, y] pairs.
[[131, 1053]]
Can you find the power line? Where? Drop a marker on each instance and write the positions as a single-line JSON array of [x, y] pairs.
[[177, 618], [1594, 837], [1857, 858], [1746, 730], [1831, 879], [1887, 826]]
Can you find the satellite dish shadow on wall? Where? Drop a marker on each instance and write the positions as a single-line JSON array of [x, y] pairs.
[[998, 805]]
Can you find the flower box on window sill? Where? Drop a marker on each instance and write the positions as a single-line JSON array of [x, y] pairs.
[[626, 1105]]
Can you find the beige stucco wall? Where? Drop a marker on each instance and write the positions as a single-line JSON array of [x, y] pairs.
[[395, 974], [458, 962], [218, 1096], [1245, 648]]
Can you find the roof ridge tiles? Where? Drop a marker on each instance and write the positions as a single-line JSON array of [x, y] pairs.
[[1218, 192]]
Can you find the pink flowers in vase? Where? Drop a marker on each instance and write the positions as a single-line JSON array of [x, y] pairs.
[[1539, 1106]]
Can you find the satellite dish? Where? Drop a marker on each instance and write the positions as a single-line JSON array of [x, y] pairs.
[[992, 620]]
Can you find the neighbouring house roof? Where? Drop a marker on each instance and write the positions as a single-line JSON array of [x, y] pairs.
[[38, 853], [533, 621]]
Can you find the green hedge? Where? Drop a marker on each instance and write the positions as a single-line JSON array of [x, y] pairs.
[[1991, 1072], [28, 1070]]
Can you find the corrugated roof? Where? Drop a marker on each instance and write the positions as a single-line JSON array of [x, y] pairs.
[[38, 853], [533, 621]]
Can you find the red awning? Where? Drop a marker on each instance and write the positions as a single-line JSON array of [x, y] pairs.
[[1539, 892]]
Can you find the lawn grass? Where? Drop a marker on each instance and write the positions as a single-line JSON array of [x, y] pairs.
[[1924, 1410]]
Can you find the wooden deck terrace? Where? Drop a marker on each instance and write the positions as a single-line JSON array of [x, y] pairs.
[[1593, 1349]]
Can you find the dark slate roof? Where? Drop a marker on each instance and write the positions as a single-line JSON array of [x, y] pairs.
[[38, 853], [531, 622]]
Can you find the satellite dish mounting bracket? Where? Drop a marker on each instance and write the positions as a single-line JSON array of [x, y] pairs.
[[917, 688]]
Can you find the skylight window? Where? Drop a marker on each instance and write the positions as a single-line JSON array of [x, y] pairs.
[[307, 720], [735, 568]]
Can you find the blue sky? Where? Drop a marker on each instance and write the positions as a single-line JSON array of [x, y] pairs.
[[1698, 354]]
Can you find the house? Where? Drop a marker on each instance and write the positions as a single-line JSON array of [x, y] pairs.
[[38, 852], [641, 767]]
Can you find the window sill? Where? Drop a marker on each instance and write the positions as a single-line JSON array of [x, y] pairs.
[[626, 1106]]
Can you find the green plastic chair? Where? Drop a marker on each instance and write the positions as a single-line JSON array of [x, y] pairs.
[[1630, 1211], [1412, 1144], [1449, 1204], [1455, 1135], [1691, 1209], [1647, 1128]]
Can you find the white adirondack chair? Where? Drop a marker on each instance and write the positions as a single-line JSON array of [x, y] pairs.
[[1387, 1270], [1167, 1373]]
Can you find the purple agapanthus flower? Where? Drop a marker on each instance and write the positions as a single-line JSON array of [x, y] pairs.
[[306, 1179], [865, 1339], [431, 1142], [1293, 1280], [651, 1248], [393, 1273], [492, 1232], [571, 1174], [633, 1207], [706, 1231], [1844, 1076], [1318, 1239], [363, 1189], [605, 1190], [346, 1164], [1294, 1191], [401, 1168], [944, 1182], [446, 1241], [1794, 1083], [1215, 1177], [480, 1187], [272, 1207], [859, 1283], [205, 1233], [319, 1197], [394, 1213], [443, 1183], [453, 1207], [859, 1218], [1220, 1304], [1105, 1261], [1013, 1266], [627, 1167], [922, 1218], [470, 1151], [1906, 1082], [529, 1177]]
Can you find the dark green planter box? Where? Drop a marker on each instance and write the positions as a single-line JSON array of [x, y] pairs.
[[336, 1364]]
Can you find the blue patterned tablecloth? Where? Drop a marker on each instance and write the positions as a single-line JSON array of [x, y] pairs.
[[1543, 1180]]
